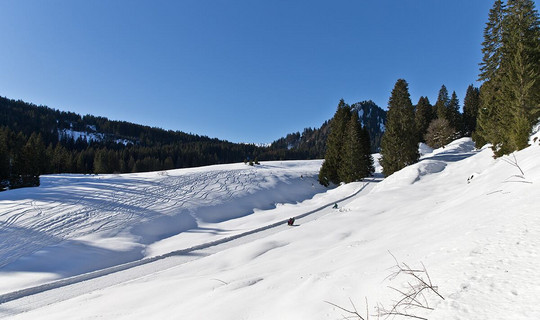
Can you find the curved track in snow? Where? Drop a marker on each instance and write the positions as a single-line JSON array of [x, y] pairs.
[[38, 296]]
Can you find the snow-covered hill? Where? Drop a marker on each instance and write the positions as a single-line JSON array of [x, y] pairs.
[[473, 221]]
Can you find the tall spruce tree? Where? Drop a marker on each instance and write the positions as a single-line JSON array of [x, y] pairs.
[[520, 66], [441, 106], [351, 167], [423, 116], [488, 127], [368, 167], [470, 109], [454, 116], [510, 95], [334, 145], [492, 44], [399, 146]]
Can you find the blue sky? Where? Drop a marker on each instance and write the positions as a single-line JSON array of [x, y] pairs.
[[244, 71]]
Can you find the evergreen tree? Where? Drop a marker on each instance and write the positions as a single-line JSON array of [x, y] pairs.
[[423, 116], [491, 46], [454, 116], [488, 128], [520, 69], [510, 95], [334, 147], [470, 109], [352, 165], [441, 106], [4, 159], [399, 146], [368, 166]]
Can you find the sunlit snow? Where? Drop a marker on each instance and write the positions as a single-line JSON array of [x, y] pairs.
[[212, 242]]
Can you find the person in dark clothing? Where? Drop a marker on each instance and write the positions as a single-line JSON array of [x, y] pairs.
[[290, 222]]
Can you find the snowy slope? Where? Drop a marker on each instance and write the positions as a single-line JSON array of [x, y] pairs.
[[78, 223], [473, 221]]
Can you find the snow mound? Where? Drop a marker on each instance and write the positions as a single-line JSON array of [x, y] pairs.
[[97, 221], [432, 162]]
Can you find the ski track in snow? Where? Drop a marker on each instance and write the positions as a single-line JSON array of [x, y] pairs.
[[35, 297], [47, 221], [109, 204]]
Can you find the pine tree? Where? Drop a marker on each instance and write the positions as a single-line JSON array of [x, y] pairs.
[[488, 124], [367, 159], [423, 116], [454, 116], [441, 106], [520, 69], [491, 46], [399, 146], [4, 159], [510, 95], [470, 109], [334, 147], [351, 166]]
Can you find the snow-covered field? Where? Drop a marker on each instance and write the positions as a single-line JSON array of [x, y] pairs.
[[211, 243]]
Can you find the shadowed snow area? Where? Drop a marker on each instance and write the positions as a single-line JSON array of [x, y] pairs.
[[473, 221], [78, 223]]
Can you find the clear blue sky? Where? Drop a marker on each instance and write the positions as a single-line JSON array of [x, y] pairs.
[[244, 71]]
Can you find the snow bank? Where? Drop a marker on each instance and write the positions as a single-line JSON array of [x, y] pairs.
[[73, 224]]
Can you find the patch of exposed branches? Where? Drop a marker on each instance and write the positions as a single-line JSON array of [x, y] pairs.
[[352, 313], [414, 296], [419, 290], [513, 162]]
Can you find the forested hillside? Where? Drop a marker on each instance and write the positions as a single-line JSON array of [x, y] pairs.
[[37, 140], [311, 143]]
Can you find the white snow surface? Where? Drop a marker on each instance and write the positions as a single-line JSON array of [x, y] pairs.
[[471, 220]]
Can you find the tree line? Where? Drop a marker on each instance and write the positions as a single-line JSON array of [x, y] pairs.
[[37, 140], [501, 112], [510, 71], [348, 149]]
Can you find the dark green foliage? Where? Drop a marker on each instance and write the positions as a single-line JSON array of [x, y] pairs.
[[334, 146], [424, 114], [399, 147], [439, 133], [372, 118], [448, 108], [311, 143], [470, 109], [21, 159], [454, 116], [368, 167], [442, 104], [35, 140], [510, 95], [351, 166], [348, 152], [491, 46]]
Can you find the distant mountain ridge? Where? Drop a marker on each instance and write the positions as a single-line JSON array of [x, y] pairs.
[[313, 140], [37, 140]]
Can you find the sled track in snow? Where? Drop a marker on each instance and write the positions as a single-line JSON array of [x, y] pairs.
[[15, 295]]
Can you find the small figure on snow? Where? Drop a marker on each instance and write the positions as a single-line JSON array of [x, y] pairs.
[[335, 206], [290, 222]]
